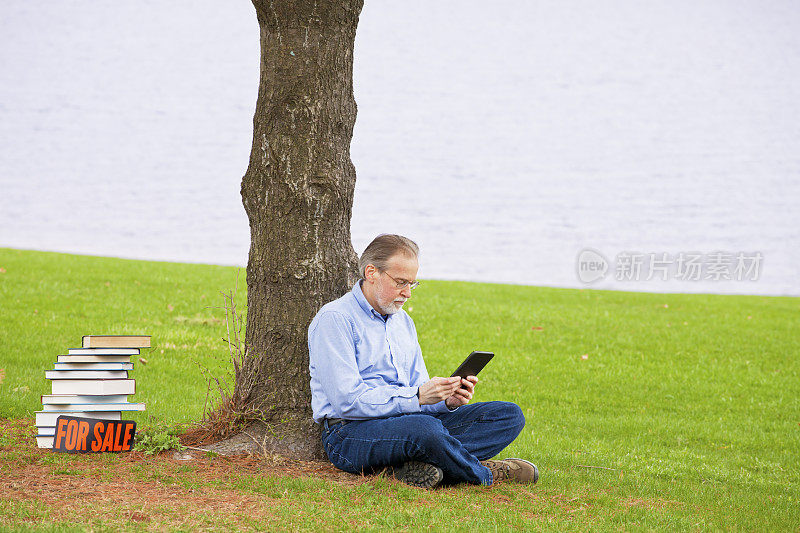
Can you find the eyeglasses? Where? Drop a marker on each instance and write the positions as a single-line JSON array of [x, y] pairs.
[[402, 283]]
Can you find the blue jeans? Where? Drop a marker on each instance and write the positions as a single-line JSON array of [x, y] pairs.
[[456, 442]]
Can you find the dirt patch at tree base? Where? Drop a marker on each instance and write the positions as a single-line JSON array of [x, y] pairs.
[[178, 488]]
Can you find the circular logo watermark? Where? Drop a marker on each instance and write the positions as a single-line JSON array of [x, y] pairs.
[[591, 266]]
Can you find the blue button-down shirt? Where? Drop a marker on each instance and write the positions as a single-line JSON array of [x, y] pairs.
[[362, 365]]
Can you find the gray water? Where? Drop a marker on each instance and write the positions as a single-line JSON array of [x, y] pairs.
[[505, 138]]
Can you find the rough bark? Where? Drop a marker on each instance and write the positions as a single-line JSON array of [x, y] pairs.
[[298, 195]]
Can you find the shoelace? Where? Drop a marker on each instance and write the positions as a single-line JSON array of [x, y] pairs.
[[500, 470]]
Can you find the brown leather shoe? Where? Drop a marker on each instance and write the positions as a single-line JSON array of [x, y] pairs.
[[512, 469]]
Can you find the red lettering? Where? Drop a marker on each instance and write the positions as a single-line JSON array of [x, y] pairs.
[[98, 440], [126, 446], [72, 434], [108, 440], [83, 432], [61, 432], [117, 443]]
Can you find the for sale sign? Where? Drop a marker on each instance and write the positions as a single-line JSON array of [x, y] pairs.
[[83, 435]]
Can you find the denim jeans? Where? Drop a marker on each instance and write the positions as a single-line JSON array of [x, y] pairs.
[[456, 442]]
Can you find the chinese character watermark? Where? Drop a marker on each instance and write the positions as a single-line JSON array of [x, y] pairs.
[[683, 266]]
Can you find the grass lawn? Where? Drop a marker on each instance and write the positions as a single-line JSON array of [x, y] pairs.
[[644, 411]]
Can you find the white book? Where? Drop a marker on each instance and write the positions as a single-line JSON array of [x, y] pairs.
[[44, 418], [93, 366], [64, 399], [103, 351], [93, 358], [86, 374], [93, 407], [44, 441], [46, 431], [94, 387]]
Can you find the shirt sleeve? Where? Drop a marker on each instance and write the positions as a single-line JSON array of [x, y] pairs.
[[332, 351], [419, 375]]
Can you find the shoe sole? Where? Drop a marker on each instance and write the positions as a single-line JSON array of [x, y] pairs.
[[535, 470], [420, 474]]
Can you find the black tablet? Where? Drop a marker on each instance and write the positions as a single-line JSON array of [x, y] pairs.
[[473, 364]]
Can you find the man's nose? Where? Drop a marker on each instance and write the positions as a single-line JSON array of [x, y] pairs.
[[405, 292]]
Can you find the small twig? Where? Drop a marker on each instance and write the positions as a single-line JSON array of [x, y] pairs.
[[260, 446], [600, 467]]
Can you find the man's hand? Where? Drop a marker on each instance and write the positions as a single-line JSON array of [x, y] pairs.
[[463, 394], [438, 389]]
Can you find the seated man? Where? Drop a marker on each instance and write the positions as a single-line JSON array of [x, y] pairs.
[[371, 392]]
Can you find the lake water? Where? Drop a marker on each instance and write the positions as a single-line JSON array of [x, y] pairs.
[[505, 138]]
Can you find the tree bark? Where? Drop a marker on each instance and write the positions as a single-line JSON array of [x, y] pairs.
[[298, 195]]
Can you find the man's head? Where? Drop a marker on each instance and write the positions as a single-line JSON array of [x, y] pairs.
[[389, 268]]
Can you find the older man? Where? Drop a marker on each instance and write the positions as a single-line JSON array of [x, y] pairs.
[[371, 391]]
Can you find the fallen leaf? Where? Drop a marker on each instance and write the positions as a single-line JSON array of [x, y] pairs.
[[2, 270], [537, 328], [23, 388], [585, 356], [685, 323], [170, 308], [666, 306], [749, 317], [35, 311], [2, 374], [107, 283], [144, 361]]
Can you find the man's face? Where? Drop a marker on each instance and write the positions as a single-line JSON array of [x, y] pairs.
[[389, 298]]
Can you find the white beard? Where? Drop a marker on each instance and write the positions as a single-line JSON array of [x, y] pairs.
[[389, 308]]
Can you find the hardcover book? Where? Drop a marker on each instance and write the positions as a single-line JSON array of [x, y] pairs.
[[47, 418], [92, 407], [103, 351], [87, 358], [86, 374], [93, 366], [116, 341], [94, 387], [64, 399]]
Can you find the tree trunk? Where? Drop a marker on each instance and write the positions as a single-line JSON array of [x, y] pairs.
[[298, 195]]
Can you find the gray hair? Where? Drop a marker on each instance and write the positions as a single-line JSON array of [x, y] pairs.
[[383, 248]]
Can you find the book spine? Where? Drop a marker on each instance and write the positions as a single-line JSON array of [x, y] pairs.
[[61, 399], [86, 374], [46, 419], [92, 407], [94, 387]]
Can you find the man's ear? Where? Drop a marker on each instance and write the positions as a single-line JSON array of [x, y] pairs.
[[370, 272]]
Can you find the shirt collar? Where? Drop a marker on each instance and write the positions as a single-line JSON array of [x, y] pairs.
[[362, 301]]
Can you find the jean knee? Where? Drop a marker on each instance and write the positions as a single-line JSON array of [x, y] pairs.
[[427, 431], [514, 414]]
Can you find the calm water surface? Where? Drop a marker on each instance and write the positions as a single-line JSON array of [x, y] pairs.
[[505, 141]]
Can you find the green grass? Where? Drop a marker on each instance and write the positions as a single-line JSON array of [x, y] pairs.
[[689, 404]]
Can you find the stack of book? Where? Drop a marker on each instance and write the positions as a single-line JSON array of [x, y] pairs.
[[90, 382]]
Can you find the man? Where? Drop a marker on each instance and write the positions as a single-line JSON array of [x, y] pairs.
[[371, 392]]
